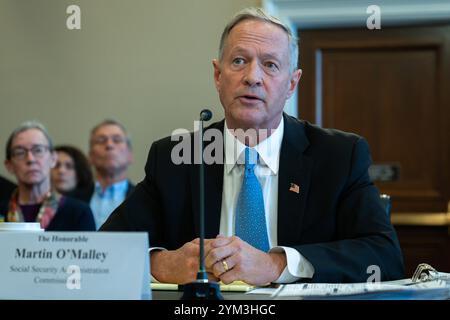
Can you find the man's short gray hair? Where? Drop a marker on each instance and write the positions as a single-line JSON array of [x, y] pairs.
[[25, 126], [111, 122], [259, 14]]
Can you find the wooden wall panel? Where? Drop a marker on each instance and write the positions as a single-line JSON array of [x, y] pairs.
[[391, 86]]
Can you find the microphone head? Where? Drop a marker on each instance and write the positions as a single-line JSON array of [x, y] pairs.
[[205, 115]]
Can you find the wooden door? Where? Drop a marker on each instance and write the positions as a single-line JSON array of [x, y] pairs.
[[391, 86]]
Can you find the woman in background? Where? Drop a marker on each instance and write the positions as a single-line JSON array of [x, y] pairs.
[[72, 174], [30, 157]]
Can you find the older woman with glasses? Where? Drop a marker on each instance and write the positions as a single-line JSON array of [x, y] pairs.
[[30, 157]]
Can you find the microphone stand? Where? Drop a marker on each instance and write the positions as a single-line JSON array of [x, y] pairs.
[[201, 288]]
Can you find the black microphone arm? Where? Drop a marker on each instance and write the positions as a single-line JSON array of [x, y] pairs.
[[202, 289], [205, 115]]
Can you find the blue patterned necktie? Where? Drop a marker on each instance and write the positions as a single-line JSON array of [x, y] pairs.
[[250, 223]]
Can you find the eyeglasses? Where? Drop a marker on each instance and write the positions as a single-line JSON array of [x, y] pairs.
[[116, 139], [38, 151]]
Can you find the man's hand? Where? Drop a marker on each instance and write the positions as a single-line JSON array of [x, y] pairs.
[[245, 263], [177, 266]]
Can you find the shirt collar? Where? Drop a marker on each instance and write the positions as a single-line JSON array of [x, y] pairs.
[[120, 186], [268, 149]]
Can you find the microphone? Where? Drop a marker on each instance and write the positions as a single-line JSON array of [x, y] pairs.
[[201, 288], [205, 115]]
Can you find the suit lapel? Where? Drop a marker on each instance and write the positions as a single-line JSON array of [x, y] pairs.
[[295, 171], [213, 193]]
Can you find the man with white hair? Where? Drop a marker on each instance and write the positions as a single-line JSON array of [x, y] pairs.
[[302, 209]]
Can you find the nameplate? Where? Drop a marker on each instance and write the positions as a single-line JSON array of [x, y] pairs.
[[74, 265]]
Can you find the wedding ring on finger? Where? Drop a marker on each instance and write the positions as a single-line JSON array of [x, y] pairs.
[[225, 265]]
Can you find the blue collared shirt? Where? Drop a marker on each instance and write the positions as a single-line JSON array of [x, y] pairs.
[[103, 203]]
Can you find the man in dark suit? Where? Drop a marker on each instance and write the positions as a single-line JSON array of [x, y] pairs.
[[322, 220]]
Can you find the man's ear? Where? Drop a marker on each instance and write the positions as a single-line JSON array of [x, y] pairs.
[[217, 72], [295, 78]]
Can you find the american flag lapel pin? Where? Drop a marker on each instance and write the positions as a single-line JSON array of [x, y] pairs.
[[294, 188]]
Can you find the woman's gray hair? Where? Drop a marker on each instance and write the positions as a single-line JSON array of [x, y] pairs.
[[259, 14], [27, 125]]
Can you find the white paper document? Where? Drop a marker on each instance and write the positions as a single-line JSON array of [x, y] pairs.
[[342, 289]]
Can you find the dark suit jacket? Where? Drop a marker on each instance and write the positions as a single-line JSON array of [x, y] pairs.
[[6, 188], [336, 221], [72, 215]]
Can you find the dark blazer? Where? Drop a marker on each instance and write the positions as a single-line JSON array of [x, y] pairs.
[[72, 215], [6, 188], [336, 221], [85, 195]]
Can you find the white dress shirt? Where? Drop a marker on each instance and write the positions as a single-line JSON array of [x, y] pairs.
[[266, 171]]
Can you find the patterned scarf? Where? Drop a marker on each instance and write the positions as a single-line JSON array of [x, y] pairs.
[[46, 213]]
